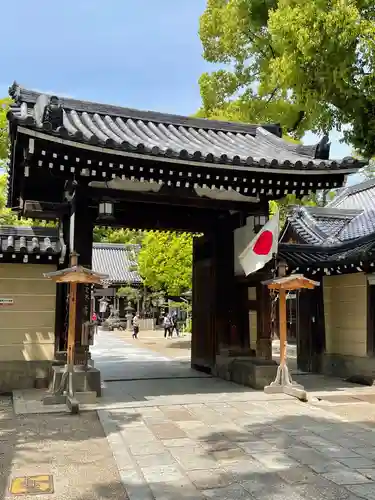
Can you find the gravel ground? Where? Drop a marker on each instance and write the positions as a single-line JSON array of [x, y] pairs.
[[73, 449]]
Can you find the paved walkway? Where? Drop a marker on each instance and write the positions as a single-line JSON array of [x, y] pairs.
[[175, 433], [205, 438]]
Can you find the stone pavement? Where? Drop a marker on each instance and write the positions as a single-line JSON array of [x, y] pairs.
[[178, 348], [197, 437], [119, 360], [250, 450]]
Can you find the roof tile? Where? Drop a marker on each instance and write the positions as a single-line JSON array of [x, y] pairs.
[[159, 134]]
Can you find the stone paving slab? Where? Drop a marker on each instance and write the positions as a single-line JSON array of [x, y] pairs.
[[211, 464], [148, 393]]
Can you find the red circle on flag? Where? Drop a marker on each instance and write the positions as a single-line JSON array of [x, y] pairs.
[[263, 244]]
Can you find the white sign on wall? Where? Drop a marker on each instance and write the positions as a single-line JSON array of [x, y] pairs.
[[6, 302]]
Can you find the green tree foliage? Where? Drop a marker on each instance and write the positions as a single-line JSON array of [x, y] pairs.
[[4, 106], [6, 216], [165, 261], [287, 201], [130, 293], [9, 218], [306, 63], [109, 235]]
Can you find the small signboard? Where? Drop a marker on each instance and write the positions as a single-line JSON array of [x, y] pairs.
[[6, 302], [105, 292], [32, 485]]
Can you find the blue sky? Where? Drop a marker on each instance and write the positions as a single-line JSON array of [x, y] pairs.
[[138, 53]]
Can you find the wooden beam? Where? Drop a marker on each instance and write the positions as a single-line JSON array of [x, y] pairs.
[[159, 217], [175, 196], [44, 209]]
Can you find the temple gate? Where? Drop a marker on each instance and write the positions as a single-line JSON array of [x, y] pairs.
[[88, 164]]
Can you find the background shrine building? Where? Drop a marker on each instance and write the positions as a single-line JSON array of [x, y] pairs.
[[335, 245]]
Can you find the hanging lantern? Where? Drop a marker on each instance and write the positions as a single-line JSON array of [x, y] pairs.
[[282, 268], [259, 222], [106, 210]]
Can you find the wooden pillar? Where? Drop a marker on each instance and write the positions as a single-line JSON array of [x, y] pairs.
[[203, 340], [81, 241], [226, 327], [264, 333], [60, 318]]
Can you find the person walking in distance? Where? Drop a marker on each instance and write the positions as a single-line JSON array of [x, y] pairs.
[[175, 324], [135, 326], [167, 324]]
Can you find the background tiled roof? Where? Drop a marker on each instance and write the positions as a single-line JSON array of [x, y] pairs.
[[360, 196], [117, 261], [350, 215], [113, 259], [342, 231]]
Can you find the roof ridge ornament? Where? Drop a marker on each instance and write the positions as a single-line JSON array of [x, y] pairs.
[[53, 114], [14, 91], [323, 148]]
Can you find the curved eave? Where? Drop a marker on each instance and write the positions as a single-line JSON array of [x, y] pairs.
[[304, 256], [110, 147]]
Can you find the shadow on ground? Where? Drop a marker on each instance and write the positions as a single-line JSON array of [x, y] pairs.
[[293, 457], [296, 457]]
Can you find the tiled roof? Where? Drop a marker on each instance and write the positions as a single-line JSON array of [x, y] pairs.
[[117, 261], [159, 134], [29, 240], [325, 226], [360, 196], [348, 216], [344, 230], [112, 259], [302, 256]]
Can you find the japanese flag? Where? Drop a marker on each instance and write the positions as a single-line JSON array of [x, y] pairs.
[[261, 249]]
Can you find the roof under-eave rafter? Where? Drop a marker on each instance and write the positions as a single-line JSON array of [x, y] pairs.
[[158, 135], [311, 255]]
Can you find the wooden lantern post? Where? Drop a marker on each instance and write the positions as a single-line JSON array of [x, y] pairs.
[[72, 315], [282, 325], [74, 275], [283, 382]]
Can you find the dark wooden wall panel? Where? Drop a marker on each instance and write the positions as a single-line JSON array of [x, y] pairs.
[[311, 329]]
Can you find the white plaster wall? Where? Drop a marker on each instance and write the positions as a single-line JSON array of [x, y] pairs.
[[27, 327], [345, 314]]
